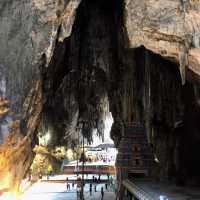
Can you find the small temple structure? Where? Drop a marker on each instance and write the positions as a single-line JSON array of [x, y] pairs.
[[134, 152], [135, 156]]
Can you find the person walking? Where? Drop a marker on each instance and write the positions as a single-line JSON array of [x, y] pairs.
[[108, 175], [102, 193], [95, 188], [90, 189], [93, 179], [68, 186]]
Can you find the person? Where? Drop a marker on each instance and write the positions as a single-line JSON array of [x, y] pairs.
[[95, 188], [90, 189], [67, 183], [106, 186], [108, 175], [81, 195], [102, 193], [99, 179], [111, 181], [68, 186], [78, 193], [93, 178]]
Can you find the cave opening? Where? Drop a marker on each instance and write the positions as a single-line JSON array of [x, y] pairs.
[[76, 106], [93, 73], [95, 85], [137, 84], [81, 67]]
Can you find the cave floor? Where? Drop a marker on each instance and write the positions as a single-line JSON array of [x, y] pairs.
[[58, 191], [165, 190]]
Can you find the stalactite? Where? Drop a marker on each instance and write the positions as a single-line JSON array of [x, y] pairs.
[[183, 62], [183, 56], [147, 96]]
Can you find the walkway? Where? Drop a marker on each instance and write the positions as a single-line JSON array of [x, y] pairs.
[[161, 190], [58, 191]]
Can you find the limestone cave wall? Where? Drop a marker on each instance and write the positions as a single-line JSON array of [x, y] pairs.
[[137, 59], [77, 80], [169, 111]]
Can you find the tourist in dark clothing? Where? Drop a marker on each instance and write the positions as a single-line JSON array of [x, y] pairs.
[[108, 175], [90, 189], [67, 183], [95, 188], [68, 186], [102, 193], [95, 180]]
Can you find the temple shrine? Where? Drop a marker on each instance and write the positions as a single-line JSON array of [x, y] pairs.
[[135, 156]]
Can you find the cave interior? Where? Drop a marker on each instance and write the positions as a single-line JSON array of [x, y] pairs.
[[93, 72]]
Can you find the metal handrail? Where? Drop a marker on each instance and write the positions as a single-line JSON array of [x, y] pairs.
[[137, 191]]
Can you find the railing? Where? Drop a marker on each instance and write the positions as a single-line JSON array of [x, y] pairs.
[[136, 191], [89, 170]]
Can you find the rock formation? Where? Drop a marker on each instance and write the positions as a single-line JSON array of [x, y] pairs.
[[16, 154], [168, 28], [64, 64]]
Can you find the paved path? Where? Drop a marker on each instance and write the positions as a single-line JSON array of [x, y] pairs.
[[58, 191], [161, 190]]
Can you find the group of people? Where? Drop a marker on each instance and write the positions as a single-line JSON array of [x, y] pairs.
[[96, 180], [94, 183], [68, 184], [95, 189]]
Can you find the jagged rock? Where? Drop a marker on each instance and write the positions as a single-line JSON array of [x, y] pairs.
[[16, 154], [29, 30], [169, 28]]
